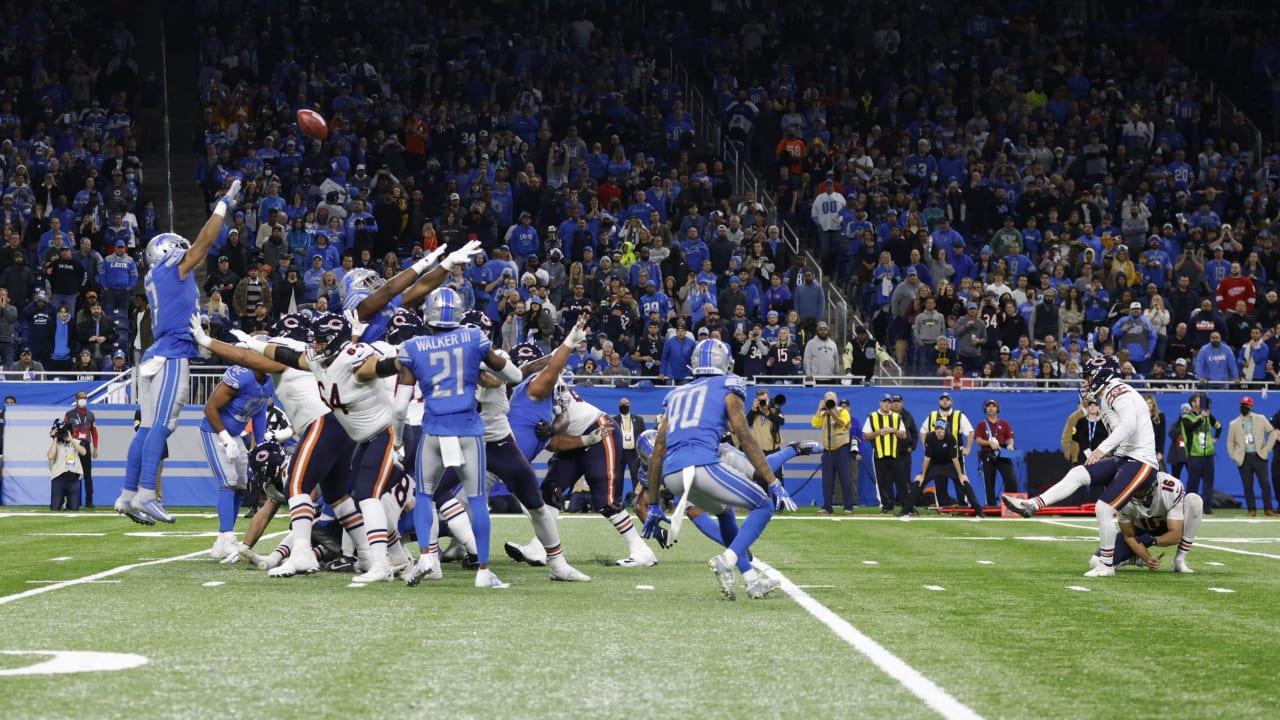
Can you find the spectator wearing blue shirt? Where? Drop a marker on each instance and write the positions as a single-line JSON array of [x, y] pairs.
[[1253, 357], [692, 220], [1215, 362], [1019, 265], [55, 237], [321, 246], [359, 212], [677, 353], [1204, 218], [656, 301], [117, 276], [312, 278], [810, 302], [676, 126], [695, 250], [1157, 267], [272, 200], [1216, 269], [1135, 333], [523, 239]]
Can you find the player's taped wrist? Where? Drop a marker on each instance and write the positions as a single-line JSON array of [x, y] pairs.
[[220, 208], [421, 265]]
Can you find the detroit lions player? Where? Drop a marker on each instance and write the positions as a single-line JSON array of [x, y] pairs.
[[687, 450], [1130, 468], [240, 397], [1166, 514], [369, 303], [173, 294], [446, 365]]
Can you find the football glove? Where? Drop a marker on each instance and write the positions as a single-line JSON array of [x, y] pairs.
[[781, 498], [232, 197], [542, 430], [198, 332], [462, 255], [357, 326], [653, 523], [231, 446]]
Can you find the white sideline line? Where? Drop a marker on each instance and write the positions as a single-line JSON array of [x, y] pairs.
[[108, 573], [917, 684]]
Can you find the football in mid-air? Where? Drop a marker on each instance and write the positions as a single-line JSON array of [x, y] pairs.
[[312, 124]]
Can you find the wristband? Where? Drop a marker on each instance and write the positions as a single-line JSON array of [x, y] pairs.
[[220, 208], [258, 346]]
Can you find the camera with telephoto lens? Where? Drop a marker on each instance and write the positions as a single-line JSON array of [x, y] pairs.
[[60, 430], [830, 404]]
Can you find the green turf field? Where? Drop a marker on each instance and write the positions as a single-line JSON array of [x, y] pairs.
[[940, 617]]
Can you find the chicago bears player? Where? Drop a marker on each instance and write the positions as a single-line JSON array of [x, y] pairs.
[[173, 294], [350, 386], [729, 455], [445, 364], [369, 303], [240, 397], [686, 456], [1125, 463], [1164, 515]]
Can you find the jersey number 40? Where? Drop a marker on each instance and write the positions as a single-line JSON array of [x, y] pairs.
[[685, 408]]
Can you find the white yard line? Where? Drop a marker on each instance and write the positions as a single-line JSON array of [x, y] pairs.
[[917, 684], [108, 573], [1199, 545]]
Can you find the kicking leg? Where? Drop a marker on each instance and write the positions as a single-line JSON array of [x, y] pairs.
[[1076, 478]]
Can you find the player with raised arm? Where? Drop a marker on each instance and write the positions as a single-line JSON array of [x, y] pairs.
[[163, 385], [708, 524], [241, 397], [346, 375], [1164, 515], [1125, 463], [686, 455], [446, 365], [369, 302]]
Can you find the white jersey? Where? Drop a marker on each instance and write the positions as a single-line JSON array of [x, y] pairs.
[[583, 416], [494, 407], [826, 208], [416, 407], [1128, 422], [1164, 504], [297, 391], [362, 408]]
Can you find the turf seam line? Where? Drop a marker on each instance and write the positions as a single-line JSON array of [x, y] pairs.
[[941, 701], [108, 573]]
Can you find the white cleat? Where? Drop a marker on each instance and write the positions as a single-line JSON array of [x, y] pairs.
[[1180, 566], [1101, 571], [421, 570], [762, 587], [533, 554], [564, 572], [224, 547], [486, 579], [1022, 506], [723, 569], [639, 558], [379, 572], [300, 563]]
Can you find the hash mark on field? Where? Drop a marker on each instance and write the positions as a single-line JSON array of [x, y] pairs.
[[917, 684], [644, 587], [1079, 588], [213, 583], [935, 588], [1215, 564], [355, 585], [986, 562], [1221, 590], [870, 562], [60, 559]]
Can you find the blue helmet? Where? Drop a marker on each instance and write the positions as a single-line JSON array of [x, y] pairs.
[[1097, 372], [712, 357], [329, 333], [644, 446], [163, 244], [267, 465], [444, 308], [294, 326], [405, 325], [359, 279], [526, 352]]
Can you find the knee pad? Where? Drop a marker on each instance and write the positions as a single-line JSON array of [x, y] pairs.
[[612, 509]]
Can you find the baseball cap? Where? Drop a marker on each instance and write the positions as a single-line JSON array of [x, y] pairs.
[[1246, 400], [703, 331], [985, 249], [120, 243], [940, 424], [1135, 305], [118, 354], [823, 326], [911, 271], [1004, 349], [946, 395], [883, 398], [25, 351], [1180, 361], [224, 258], [971, 306], [897, 397], [773, 313], [991, 401], [360, 166], [455, 196], [551, 228]]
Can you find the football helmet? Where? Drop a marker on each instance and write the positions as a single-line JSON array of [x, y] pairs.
[[294, 326], [478, 320], [444, 309], [163, 244], [1097, 372], [405, 324], [358, 280], [525, 353], [267, 466], [644, 446], [329, 333], [712, 357]]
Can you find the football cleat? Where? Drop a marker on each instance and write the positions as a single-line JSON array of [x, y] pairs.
[[470, 561], [380, 571], [342, 564], [423, 569], [1023, 507], [526, 553], [149, 504], [762, 587], [639, 558], [453, 553], [123, 507], [303, 563], [1101, 571], [486, 579], [564, 572], [723, 569], [806, 448], [224, 546], [401, 566], [247, 554], [1180, 565]]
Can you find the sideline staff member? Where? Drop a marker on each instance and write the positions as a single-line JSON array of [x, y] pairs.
[[941, 461], [834, 421], [887, 434]]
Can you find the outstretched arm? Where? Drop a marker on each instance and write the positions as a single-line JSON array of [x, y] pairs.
[[209, 233], [232, 354], [399, 283], [541, 387]]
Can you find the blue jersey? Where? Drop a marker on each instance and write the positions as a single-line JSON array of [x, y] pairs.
[[447, 366], [173, 299], [697, 419], [249, 404], [525, 414], [377, 328]]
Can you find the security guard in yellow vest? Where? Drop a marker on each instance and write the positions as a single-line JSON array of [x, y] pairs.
[[961, 430], [885, 432]]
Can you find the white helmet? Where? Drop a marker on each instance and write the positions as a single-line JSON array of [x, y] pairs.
[[360, 279], [712, 357], [163, 244]]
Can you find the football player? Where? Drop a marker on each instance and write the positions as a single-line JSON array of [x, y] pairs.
[[686, 456], [445, 364], [1165, 514], [1125, 463], [369, 303], [173, 294], [240, 397]]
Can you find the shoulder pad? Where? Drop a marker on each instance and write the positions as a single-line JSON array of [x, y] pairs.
[[354, 299]]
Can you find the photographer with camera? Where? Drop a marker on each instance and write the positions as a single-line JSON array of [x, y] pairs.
[[834, 421], [766, 421], [65, 467]]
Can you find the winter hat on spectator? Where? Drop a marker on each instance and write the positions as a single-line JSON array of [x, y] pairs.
[[118, 354], [986, 250], [703, 331], [1180, 361]]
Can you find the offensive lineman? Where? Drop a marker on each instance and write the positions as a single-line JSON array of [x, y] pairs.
[[1129, 470]]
